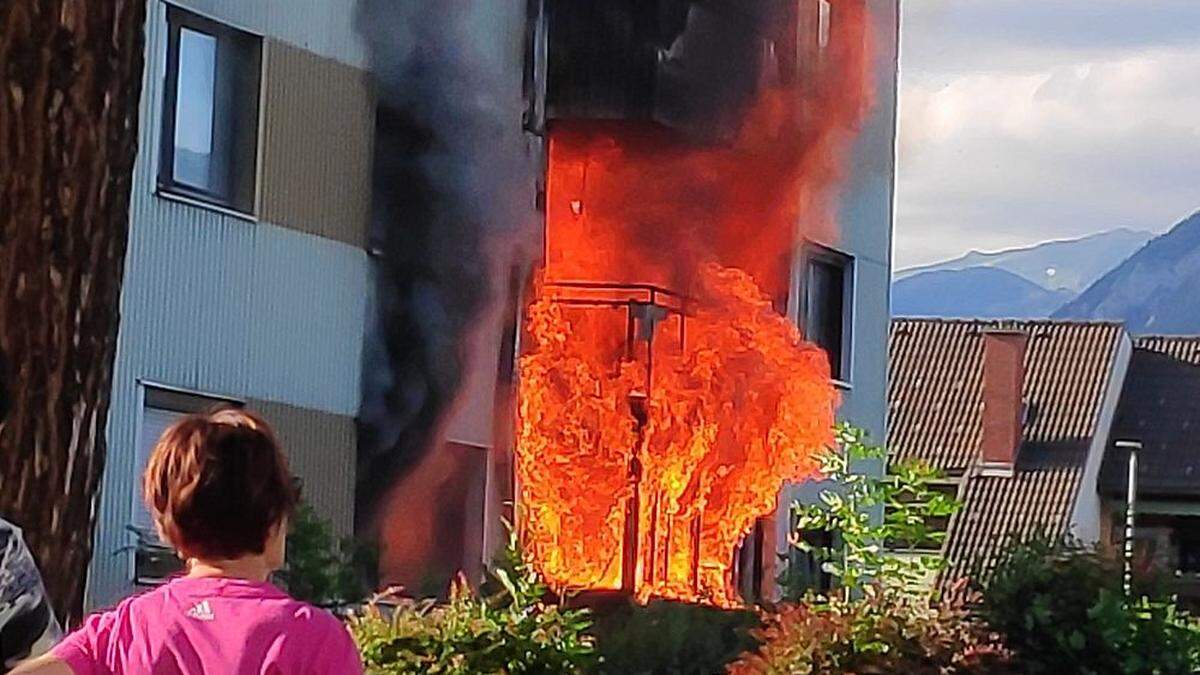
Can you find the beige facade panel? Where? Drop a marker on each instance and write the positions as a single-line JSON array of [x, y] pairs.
[[321, 449], [318, 126]]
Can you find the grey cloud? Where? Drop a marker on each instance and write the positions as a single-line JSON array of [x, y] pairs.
[[1042, 120]]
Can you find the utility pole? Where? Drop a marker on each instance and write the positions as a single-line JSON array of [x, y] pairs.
[[1133, 447]]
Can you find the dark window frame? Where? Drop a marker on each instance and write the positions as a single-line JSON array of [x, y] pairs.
[[236, 100], [812, 563], [816, 254]]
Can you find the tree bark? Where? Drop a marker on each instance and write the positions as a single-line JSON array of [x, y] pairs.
[[68, 138]]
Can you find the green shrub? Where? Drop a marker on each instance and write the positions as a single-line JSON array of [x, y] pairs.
[[1062, 609], [678, 638], [881, 631], [321, 569], [872, 514], [895, 624], [515, 630]]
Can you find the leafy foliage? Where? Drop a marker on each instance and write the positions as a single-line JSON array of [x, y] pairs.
[[882, 631], [514, 630], [1061, 608], [671, 637], [321, 569], [852, 509], [894, 624]]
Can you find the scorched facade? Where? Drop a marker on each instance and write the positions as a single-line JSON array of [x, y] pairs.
[[702, 161]]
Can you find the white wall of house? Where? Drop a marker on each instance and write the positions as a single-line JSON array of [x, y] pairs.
[[222, 304], [1087, 516], [865, 217]]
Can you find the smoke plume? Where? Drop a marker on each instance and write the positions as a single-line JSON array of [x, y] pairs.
[[451, 170]]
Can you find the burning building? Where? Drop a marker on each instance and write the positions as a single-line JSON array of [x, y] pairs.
[[700, 280]]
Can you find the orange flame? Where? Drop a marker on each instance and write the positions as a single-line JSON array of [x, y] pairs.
[[652, 433]]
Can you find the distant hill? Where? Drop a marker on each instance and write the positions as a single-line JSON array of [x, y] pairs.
[[1157, 290], [1072, 264], [974, 293]]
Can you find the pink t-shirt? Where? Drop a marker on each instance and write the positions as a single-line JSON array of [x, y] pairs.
[[211, 625]]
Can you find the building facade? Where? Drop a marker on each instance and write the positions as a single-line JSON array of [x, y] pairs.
[[247, 276], [838, 292], [862, 249]]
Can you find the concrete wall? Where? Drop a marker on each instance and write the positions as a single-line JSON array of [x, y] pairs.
[[865, 217], [236, 306], [323, 27], [318, 125], [319, 447]]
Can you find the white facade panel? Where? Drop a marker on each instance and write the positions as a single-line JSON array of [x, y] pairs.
[[219, 304]]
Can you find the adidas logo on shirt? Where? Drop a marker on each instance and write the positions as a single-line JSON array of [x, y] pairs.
[[201, 611]]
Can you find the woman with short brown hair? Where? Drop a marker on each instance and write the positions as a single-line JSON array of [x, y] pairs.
[[220, 492]]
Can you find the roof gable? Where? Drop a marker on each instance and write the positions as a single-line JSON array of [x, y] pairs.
[[935, 415]]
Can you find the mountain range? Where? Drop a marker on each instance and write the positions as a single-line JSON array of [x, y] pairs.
[[974, 292], [1071, 264], [1024, 283], [1149, 283], [1155, 291]]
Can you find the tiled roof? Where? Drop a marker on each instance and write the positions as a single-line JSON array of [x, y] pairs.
[[935, 405], [1160, 406]]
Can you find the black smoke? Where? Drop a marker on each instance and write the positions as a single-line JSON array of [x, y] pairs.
[[451, 171]]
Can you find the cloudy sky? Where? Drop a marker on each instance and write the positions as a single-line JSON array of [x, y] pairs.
[[1028, 120]]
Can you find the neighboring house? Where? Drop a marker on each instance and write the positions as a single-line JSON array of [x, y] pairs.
[[1160, 408], [1017, 414], [246, 278]]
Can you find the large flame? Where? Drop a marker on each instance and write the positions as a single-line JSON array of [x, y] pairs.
[[654, 432], [740, 409]]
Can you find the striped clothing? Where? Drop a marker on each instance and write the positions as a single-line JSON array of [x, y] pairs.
[[27, 624]]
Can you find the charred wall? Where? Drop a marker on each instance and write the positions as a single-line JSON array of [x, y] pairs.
[[686, 64]]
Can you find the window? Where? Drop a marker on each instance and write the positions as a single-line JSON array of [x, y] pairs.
[[806, 568], [210, 112], [154, 562], [750, 561], [827, 311]]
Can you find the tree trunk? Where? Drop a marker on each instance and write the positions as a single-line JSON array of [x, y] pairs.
[[68, 137]]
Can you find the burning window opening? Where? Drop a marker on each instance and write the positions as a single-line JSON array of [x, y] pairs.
[[712, 133], [655, 430], [664, 399]]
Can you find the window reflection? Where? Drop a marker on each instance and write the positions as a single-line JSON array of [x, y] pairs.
[[194, 108]]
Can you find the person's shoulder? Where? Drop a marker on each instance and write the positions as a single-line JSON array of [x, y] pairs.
[[133, 604]]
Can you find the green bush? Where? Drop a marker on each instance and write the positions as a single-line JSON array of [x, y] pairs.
[[894, 624], [515, 630], [881, 631], [322, 569], [678, 638], [1062, 609], [871, 514]]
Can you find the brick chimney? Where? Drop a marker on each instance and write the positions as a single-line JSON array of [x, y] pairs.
[[1003, 403]]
